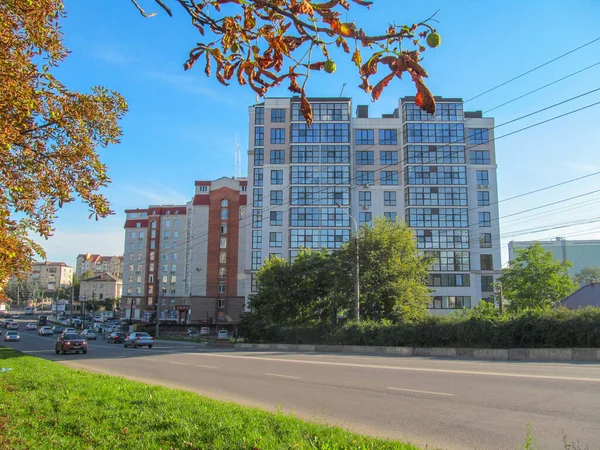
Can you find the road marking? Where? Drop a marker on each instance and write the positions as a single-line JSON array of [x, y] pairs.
[[282, 376], [410, 369], [181, 363], [420, 392]]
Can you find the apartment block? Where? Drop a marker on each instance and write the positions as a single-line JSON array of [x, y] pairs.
[[438, 173], [100, 287], [51, 276], [99, 264], [187, 257]]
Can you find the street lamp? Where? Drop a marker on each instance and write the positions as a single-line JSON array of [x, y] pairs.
[[356, 267]]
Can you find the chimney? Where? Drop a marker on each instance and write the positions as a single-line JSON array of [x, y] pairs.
[[362, 112]]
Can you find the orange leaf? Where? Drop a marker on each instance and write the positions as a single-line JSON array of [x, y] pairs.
[[306, 109], [379, 87], [294, 87], [424, 98], [356, 58]]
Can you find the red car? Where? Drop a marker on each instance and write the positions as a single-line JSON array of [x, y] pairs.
[[70, 342]]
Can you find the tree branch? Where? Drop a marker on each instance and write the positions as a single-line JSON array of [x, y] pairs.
[[142, 12], [46, 125]]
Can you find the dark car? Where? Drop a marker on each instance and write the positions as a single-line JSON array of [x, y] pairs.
[[70, 342], [117, 337], [57, 329], [43, 321]]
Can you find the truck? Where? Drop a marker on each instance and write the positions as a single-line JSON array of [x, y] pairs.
[[43, 321]]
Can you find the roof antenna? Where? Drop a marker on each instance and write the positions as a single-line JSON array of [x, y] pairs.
[[343, 86]]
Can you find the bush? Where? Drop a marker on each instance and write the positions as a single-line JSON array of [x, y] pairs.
[[480, 327]]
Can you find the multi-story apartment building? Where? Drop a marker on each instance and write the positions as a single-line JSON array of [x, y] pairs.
[[188, 257], [51, 276], [438, 173], [100, 287], [99, 264]]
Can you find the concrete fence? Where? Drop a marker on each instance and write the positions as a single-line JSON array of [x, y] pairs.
[[494, 354]]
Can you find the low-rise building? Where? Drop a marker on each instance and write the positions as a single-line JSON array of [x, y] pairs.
[[51, 276]]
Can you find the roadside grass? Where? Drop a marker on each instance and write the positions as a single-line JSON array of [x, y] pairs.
[[44, 405]]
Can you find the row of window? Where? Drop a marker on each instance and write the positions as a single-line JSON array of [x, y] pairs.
[[277, 115], [435, 175], [364, 198], [434, 196], [367, 137], [366, 217], [386, 177], [323, 112], [437, 217], [447, 112]]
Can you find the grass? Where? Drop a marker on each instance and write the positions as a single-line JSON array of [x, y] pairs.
[[44, 405]]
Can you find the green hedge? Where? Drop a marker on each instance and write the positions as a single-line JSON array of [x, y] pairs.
[[530, 329]]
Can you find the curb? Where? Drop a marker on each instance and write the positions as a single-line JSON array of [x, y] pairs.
[[491, 354]]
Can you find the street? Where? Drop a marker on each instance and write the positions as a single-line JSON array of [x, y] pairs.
[[450, 404]]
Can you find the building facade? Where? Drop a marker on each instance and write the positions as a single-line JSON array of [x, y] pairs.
[[100, 287], [51, 276], [99, 264], [188, 257], [438, 173], [581, 253]]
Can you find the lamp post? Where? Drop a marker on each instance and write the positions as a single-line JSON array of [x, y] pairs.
[[356, 267]]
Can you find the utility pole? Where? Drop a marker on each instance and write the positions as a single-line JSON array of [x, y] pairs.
[[500, 299], [356, 267], [157, 317]]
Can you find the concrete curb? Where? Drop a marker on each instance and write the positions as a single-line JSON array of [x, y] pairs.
[[492, 354]]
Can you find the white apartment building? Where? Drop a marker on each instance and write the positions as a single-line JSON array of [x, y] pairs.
[[438, 173], [51, 276]]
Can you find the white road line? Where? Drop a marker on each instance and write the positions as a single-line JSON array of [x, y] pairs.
[[282, 376], [420, 392], [181, 363], [410, 369]]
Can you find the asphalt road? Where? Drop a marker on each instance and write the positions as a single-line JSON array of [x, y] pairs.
[[442, 403]]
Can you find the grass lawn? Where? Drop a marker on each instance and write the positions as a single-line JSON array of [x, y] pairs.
[[44, 405]]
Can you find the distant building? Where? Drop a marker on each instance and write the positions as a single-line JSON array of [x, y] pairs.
[[99, 264], [580, 252], [588, 295], [51, 276]]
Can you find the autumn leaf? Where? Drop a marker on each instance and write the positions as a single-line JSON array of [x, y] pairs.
[[356, 58], [379, 87], [304, 7], [424, 99], [306, 109], [294, 87]]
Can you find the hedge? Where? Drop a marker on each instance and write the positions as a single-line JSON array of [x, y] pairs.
[[553, 328]]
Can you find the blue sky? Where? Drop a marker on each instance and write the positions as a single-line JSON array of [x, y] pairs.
[[182, 126]]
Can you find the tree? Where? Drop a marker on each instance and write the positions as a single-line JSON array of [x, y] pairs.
[[22, 292], [264, 43], [393, 273], [534, 279], [87, 274], [588, 274], [48, 133]]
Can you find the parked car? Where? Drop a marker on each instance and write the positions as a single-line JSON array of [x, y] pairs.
[[70, 342], [12, 326], [138, 339], [89, 334], [56, 329], [192, 332], [45, 331], [31, 326], [222, 334], [204, 331], [69, 330], [12, 336], [117, 337]]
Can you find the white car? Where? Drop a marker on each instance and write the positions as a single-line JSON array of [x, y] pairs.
[[222, 334], [89, 334], [31, 326], [204, 331], [45, 331], [139, 339], [70, 331]]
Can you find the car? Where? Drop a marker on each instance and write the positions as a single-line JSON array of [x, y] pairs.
[[12, 336], [45, 331], [222, 334], [42, 321], [12, 326], [56, 329], [98, 319], [69, 330], [70, 342], [117, 337], [89, 334], [138, 339], [15, 316], [31, 326], [192, 332], [204, 331]]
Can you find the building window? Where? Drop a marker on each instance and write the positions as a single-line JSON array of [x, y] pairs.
[[365, 158], [173, 279], [390, 216], [483, 177], [364, 137], [258, 177], [202, 188], [451, 279], [483, 198], [478, 136], [257, 197], [132, 235], [486, 262], [165, 269], [479, 157], [278, 115], [389, 198], [152, 234], [275, 255], [275, 239], [167, 223], [277, 135], [259, 156], [259, 136], [224, 203], [140, 256], [224, 214], [485, 240], [487, 283], [256, 218], [364, 198], [222, 257], [389, 178], [485, 219], [364, 218], [222, 272], [253, 283], [277, 157], [223, 228], [276, 197], [276, 218], [174, 256], [388, 158], [138, 224], [221, 290], [256, 239], [256, 260], [259, 115], [388, 137], [223, 242], [451, 302], [175, 234], [276, 176], [153, 224], [365, 177]]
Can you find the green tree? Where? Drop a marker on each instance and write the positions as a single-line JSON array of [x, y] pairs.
[[393, 273], [534, 279], [22, 292], [87, 274], [588, 274]]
